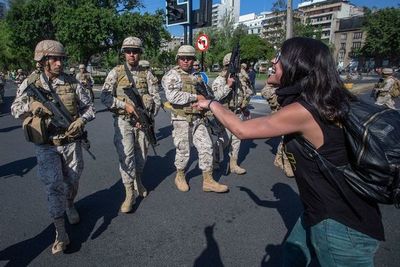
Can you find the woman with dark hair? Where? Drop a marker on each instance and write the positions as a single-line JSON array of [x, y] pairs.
[[338, 227]]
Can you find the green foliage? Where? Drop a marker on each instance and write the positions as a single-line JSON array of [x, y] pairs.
[[383, 33], [86, 28], [253, 48]]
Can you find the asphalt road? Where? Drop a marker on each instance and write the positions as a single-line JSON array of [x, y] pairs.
[[244, 227]]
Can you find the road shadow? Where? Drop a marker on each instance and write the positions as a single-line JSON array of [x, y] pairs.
[[9, 129], [102, 205], [210, 255], [245, 147], [273, 143], [158, 168], [164, 132], [289, 207], [17, 168]]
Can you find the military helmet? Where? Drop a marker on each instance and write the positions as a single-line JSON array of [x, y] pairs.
[[19, 70], [72, 70], [243, 65], [82, 66], [144, 63], [49, 48], [132, 42], [387, 71], [186, 51], [227, 59]]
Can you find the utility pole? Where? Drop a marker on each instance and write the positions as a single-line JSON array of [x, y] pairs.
[[289, 20]]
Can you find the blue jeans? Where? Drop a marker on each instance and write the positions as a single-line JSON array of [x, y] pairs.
[[331, 243]]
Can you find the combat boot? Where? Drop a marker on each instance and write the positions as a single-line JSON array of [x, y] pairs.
[[180, 181], [139, 187], [72, 214], [210, 185], [62, 240], [129, 201], [234, 167]]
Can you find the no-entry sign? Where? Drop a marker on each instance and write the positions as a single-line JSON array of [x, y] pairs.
[[202, 42]]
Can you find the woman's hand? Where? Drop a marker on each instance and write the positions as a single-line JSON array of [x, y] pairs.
[[202, 104]]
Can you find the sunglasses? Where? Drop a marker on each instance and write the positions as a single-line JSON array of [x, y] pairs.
[[186, 58], [277, 58], [132, 51]]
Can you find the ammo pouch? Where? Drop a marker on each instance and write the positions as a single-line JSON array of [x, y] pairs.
[[35, 130]]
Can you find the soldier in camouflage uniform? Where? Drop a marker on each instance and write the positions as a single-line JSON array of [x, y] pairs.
[[20, 77], [383, 90], [2, 85], [60, 161], [222, 89], [86, 80], [189, 124], [129, 139]]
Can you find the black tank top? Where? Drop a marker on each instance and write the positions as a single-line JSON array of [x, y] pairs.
[[321, 200]]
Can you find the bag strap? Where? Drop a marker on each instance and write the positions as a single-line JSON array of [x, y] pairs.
[[325, 167]]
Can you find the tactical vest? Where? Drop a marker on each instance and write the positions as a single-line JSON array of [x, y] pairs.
[[66, 92], [228, 101], [189, 84], [123, 82]]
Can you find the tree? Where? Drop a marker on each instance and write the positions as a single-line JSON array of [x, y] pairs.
[[253, 48], [383, 34]]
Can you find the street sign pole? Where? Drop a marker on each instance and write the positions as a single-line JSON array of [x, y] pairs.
[[202, 60]]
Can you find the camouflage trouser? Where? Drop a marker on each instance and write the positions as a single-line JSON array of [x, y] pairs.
[[184, 135], [132, 147], [59, 168], [385, 99]]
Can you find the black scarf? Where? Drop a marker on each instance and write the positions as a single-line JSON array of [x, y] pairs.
[[288, 95]]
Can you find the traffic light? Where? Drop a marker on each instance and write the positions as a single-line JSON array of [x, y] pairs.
[[177, 12]]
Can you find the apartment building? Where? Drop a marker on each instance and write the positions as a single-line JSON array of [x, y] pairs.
[[172, 44], [224, 9], [253, 22], [324, 15], [349, 38]]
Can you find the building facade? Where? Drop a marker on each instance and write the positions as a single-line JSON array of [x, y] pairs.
[[221, 11], [324, 15]]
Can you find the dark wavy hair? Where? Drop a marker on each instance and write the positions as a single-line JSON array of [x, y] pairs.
[[308, 63]]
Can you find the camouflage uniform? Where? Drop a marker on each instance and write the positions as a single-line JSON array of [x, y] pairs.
[[268, 93], [60, 161], [223, 94], [383, 91], [86, 80], [189, 124], [59, 167], [2, 85], [131, 143], [20, 77]]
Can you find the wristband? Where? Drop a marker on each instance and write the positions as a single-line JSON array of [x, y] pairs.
[[209, 103]]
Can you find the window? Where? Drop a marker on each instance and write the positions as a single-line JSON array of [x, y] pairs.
[[343, 36], [356, 45], [342, 45], [357, 35]]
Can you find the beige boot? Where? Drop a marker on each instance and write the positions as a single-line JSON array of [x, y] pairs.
[[129, 198], [62, 240], [180, 181], [72, 214], [139, 187], [210, 185], [234, 167]]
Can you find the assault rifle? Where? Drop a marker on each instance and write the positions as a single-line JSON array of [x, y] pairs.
[[233, 70], [144, 118], [60, 119], [202, 87]]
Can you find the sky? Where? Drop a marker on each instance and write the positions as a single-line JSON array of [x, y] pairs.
[[257, 6]]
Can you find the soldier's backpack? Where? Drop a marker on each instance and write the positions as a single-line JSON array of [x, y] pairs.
[[395, 91], [373, 144]]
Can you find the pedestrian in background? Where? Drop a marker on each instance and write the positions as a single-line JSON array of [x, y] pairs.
[[338, 227]]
